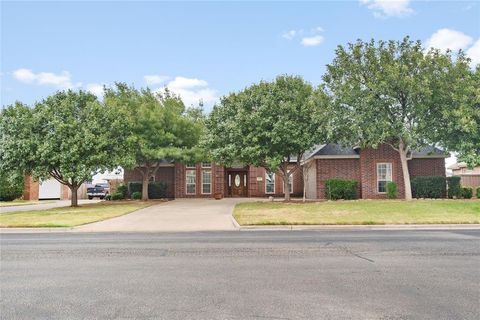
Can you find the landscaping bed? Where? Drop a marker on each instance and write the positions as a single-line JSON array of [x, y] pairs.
[[71, 217], [359, 212]]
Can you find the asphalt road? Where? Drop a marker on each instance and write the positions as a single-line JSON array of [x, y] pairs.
[[242, 275]]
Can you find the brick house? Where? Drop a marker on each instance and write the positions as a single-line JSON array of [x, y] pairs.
[[50, 189], [372, 168]]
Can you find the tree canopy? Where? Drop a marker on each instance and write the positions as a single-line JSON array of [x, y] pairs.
[[394, 92], [69, 136], [269, 124], [159, 128]]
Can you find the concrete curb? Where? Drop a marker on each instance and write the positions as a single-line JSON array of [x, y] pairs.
[[236, 225], [36, 230], [364, 227]]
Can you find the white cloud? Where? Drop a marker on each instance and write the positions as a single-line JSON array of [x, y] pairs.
[[388, 8], [95, 88], [289, 35], [309, 38], [61, 81], [186, 83], [474, 53], [312, 41], [192, 90], [154, 79], [445, 39]]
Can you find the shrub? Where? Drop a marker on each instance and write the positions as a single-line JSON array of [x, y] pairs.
[[108, 197], [116, 196], [341, 189], [391, 190], [134, 187], [429, 187], [156, 190], [478, 192], [453, 186], [137, 195], [467, 192], [11, 186], [123, 190]]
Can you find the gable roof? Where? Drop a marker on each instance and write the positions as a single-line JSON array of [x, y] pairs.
[[333, 150]]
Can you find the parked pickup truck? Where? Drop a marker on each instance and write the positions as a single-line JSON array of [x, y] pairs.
[[99, 190]]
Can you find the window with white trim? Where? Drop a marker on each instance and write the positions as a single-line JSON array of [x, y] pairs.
[[384, 175], [191, 177], [269, 182], [206, 181], [206, 164], [190, 165], [290, 183]]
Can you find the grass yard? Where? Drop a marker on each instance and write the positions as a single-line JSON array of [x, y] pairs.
[[359, 212], [22, 202], [70, 217]]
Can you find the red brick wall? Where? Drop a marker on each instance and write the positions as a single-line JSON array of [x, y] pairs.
[[165, 174], [419, 167], [31, 189], [181, 183], [337, 168], [256, 187], [369, 158]]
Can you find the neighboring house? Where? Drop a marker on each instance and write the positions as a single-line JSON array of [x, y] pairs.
[[49, 189], [372, 168], [468, 177]]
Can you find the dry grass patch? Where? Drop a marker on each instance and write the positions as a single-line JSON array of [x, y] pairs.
[[71, 217], [359, 212]]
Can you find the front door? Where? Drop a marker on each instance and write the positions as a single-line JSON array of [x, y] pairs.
[[237, 184]]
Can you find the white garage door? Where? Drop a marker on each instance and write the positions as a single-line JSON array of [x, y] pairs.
[[49, 189]]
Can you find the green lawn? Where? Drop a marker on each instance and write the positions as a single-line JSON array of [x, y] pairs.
[[22, 202], [359, 212], [70, 217]]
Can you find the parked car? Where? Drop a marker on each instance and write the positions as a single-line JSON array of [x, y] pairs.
[[100, 190]]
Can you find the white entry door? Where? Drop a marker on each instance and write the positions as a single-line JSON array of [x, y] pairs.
[[50, 189]]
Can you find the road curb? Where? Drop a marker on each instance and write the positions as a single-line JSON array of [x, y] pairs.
[[364, 227], [236, 225], [35, 230]]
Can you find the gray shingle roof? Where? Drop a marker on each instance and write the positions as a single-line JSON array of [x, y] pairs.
[[332, 149]]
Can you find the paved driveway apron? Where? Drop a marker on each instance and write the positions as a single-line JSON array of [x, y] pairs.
[[176, 215]]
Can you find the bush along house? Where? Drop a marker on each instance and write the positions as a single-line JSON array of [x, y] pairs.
[[371, 168]]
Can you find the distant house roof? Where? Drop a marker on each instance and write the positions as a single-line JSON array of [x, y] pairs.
[[429, 151], [332, 150], [457, 166]]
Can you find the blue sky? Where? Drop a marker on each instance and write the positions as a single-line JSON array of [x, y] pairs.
[[205, 49]]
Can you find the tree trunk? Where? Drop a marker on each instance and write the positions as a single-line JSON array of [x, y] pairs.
[[305, 180], [285, 186], [406, 174], [145, 186], [74, 191]]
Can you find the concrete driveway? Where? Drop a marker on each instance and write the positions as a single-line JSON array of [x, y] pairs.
[[44, 206], [176, 215]]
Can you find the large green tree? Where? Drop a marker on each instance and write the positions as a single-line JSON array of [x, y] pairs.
[[460, 125], [394, 92], [269, 124], [160, 128], [69, 136]]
